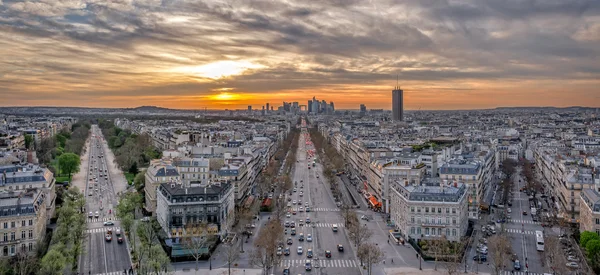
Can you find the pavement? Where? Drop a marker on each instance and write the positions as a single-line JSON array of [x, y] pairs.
[[100, 189]]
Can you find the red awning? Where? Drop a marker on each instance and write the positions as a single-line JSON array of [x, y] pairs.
[[374, 202]]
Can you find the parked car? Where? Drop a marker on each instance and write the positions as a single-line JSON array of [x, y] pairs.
[[517, 265], [572, 265], [480, 258], [572, 259]]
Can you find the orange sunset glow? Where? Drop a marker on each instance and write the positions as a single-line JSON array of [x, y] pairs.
[[220, 55]]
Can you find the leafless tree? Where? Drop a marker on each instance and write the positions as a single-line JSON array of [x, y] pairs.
[[24, 264], [454, 252], [349, 215], [196, 240], [436, 248], [555, 255], [359, 234], [500, 249], [264, 254], [231, 255], [370, 254]]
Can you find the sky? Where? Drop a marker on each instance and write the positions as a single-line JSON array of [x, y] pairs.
[[196, 54]]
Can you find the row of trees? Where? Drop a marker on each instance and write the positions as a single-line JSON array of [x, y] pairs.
[[330, 159], [590, 241], [131, 150], [148, 255], [368, 253], [65, 141], [66, 244]]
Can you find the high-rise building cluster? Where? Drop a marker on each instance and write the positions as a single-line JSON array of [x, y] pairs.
[[320, 107]]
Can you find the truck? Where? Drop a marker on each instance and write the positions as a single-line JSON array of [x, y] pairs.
[[533, 211]]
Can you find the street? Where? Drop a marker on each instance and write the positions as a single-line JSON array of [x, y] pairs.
[[101, 256]]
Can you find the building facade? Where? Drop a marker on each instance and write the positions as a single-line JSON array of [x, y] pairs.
[[397, 104], [23, 218], [159, 171]]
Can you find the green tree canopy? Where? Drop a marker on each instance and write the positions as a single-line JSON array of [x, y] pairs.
[[587, 236], [139, 182], [69, 163], [53, 263], [28, 141], [592, 248]]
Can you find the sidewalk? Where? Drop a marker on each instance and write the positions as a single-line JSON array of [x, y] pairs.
[[221, 271], [79, 179], [410, 271]]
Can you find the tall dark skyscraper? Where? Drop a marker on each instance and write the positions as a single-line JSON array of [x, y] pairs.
[[397, 104], [309, 106], [267, 107]]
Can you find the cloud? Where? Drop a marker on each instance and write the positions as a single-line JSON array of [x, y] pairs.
[[92, 50]]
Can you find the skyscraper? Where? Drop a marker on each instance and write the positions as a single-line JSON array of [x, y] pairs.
[[249, 108], [267, 107], [363, 108], [397, 104], [309, 106]]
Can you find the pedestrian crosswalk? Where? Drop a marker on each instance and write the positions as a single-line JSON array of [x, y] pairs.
[[519, 273], [524, 221], [111, 273], [330, 225], [519, 231], [322, 262], [105, 219], [318, 209], [101, 229]]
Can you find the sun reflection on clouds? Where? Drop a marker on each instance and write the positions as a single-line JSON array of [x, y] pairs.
[[218, 69]]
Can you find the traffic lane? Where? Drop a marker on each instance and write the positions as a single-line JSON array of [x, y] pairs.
[[116, 255], [97, 259]]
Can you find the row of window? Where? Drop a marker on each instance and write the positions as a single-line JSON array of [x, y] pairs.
[[13, 235], [179, 211], [427, 220], [432, 231], [13, 249], [460, 177], [427, 209], [13, 224]]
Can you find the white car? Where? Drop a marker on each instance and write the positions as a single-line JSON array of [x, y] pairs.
[[288, 215], [306, 204], [301, 194], [573, 265], [300, 250], [309, 238], [301, 209], [294, 202], [97, 214]]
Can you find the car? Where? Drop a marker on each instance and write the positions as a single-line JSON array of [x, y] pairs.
[[109, 223], [572, 265], [294, 202], [301, 194], [108, 237], [299, 250], [308, 265], [301, 209], [301, 223], [286, 271], [301, 237], [288, 215], [300, 203], [524, 213], [306, 204], [289, 205], [97, 214], [90, 194], [289, 241], [327, 254], [286, 251], [307, 209], [482, 251], [90, 215], [517, 265], [309, 238], [293, 233], [480, 258], [294, 190], [364, 217], [572, 259], [509, 210], [285, 231], [279, 251], [293, 224], [294, 212], [307, 220], [317, 176], [340, 248], [287, 224], [145, 219], [120, 239], [309, 253]]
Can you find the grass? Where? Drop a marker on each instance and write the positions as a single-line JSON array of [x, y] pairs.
[[61, 178], [129, 177]]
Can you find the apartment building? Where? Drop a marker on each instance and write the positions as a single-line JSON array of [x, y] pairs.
[[395, 172], [159, 171], [589, 219], [424, 212], [179, 205], [469, 172], [193, 169], [23, 219], [22, 178]]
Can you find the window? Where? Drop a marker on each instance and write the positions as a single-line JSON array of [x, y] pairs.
[[23, 223], [12, 236], [439, 221], [453, 210], [412, 230], [12, 224], [426, 219], [447, 210], [5, 251], [454, 232], [426, 209], [418, 209], [453, 220], [447, 231], [30, 246], [447, 220], [412, 219], [12, 249], [30, 234], [439, 232], [419, 230], [597, 221], [427, 231], [439, 210], [5, 237], [6, 225], [412, 209], [23, 234], [23, 247], [419, 220]]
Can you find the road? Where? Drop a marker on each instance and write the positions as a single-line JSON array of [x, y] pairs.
[[312, 189], [101, 256]]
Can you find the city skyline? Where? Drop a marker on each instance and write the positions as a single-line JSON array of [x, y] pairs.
[[215, 55]]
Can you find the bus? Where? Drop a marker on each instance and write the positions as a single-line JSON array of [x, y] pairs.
[[539, 240]]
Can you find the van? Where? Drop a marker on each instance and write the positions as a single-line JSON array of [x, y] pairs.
[[334, 228]]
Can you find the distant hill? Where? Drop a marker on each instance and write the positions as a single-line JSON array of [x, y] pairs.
[[151, 109]]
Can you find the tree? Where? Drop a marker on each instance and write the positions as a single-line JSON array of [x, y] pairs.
[[436, 248], [264, 254], [359, 234], [555, 255], [133, 169], [454, 252], [53, 263], [231, 255], [28, 141], [196, 240], [140, 182], [509, 167], [500, 250], [24, 264], [592, 249], [69, 163], [349, 215], [370, 254], [587, 236]]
